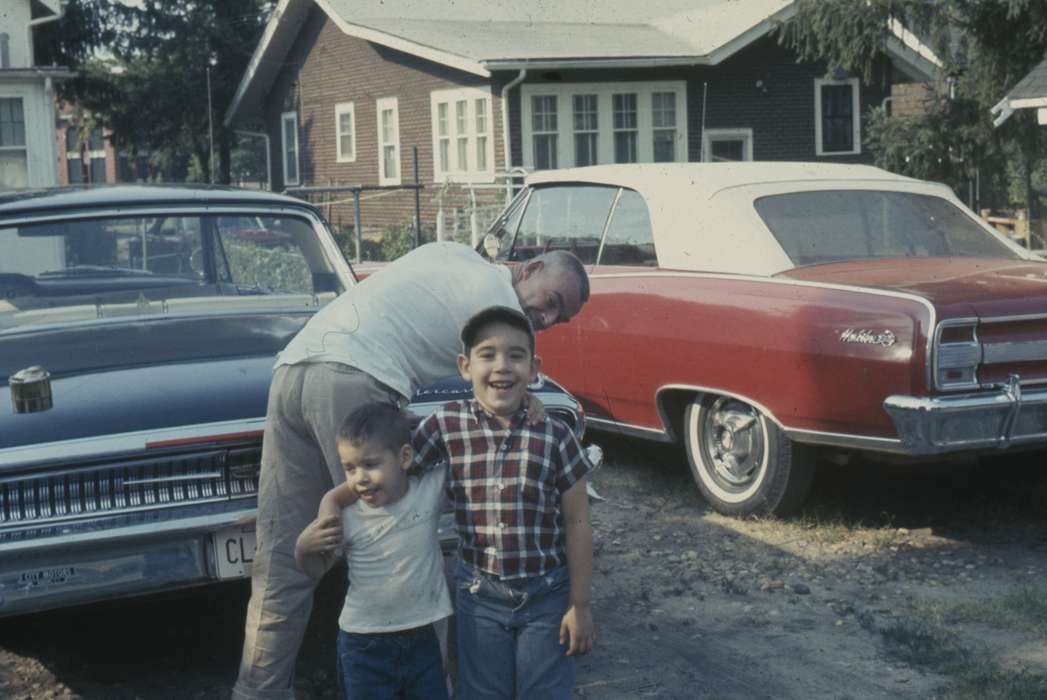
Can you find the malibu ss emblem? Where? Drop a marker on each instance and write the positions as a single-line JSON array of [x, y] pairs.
[[863, 336]]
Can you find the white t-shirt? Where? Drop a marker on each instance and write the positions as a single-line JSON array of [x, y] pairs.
[[401, 325], [396, 569]]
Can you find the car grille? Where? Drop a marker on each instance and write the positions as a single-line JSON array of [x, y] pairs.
[[130, 486]]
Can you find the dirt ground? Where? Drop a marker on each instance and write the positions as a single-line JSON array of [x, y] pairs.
[[894, 582]]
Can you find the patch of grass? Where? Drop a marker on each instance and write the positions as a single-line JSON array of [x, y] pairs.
[[974, 675], [1025, 608]]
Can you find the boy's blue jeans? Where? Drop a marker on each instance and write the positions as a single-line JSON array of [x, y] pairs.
[[509, 636], [383, 665]]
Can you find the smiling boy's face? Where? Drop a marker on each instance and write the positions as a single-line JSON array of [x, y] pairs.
[[500, 365]]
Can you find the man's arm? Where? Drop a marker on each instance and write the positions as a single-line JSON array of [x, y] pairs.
[[577, 625]]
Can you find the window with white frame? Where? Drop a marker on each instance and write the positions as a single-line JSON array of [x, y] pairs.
[[837, 123], [388, 112], [14, 157], [603, 123], [345, 132], [544, 130], [289, 146], [93, 151], [626, 128], [720, 145], [586, 129], [463, 143]]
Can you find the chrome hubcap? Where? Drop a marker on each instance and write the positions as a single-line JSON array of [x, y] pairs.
[[733, 441]]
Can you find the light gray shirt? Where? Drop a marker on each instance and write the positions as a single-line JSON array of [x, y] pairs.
[[396, 569], [401, 325]]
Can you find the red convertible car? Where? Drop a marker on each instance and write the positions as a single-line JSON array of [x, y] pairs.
[[758, 312]]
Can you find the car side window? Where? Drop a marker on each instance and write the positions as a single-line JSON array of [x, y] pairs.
[[264, 254], [629, 240], [565, 217]]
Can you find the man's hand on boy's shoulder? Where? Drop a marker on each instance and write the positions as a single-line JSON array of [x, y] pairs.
[[535, 409], [576, 630], [323, 536]]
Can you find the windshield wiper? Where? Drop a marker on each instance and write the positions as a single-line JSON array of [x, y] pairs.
[[96, 271]]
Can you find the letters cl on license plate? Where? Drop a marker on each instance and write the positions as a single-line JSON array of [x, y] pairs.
[[234, 550]]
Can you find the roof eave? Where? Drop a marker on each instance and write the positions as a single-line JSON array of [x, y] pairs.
[[580, 63], [453, 60], [288, 16]]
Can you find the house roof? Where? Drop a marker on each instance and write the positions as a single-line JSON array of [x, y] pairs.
[[1030, 92], [482, 36]]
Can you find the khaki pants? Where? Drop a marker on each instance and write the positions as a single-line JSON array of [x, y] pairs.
[[307, 404]]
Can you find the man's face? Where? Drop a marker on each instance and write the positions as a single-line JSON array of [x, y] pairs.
[[548, 295], [377, 474], [500, 365]]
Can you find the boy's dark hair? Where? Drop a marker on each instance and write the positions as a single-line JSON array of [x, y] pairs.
[[495, 314], [382, 423]]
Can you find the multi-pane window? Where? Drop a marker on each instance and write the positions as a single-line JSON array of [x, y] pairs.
[[289, 146], [443, 131], [544, 130], [93, 151], [603, 123], [480, 110], [836, 118], [14, 164], [626, 128], [388, 140], [663, 123], [462, 130], [586, 129], [462, 137], [345, 132]]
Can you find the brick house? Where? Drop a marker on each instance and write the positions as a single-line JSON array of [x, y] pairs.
[[92, 160], [344, 91]]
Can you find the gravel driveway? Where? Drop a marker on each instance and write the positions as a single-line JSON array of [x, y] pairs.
[[895, 582]]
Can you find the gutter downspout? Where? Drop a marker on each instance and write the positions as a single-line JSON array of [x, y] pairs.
[[36, 23], [505, 131], [268, 155]]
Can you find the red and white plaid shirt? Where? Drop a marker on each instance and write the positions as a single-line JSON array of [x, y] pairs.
[[506, 485]]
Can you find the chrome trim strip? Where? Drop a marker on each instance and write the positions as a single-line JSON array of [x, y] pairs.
[[706, 390], [845, 440], [200, 524], [932, 312], [1013, 319], [629, 430], [101, 445], [1024, 351], [169, 479]]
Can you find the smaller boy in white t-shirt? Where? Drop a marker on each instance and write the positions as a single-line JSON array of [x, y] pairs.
[[387, 646]]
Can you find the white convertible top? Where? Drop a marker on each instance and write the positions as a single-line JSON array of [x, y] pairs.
[[703, 216]]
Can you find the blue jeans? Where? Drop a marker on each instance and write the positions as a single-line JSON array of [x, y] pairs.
[[383, 665], [509, 636]]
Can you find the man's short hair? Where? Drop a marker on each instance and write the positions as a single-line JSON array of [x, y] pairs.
[[566, 260], [495, 314], [379, 423]]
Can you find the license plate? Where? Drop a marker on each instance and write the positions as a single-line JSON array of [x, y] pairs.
[[234, 549]]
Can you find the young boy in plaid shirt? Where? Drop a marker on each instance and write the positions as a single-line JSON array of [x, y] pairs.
[[522, 512]]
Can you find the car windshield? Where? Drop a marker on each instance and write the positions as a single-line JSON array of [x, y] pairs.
[[836, 225], [151, 264]]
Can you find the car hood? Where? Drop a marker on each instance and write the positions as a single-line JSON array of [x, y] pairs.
[[140, 375], [983, 287]]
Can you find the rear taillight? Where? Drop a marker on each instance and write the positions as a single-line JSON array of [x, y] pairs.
[[957, 353]]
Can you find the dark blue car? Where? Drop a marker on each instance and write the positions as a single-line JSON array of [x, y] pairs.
[[138, 330]]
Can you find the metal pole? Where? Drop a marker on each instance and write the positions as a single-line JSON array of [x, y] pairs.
[[210, 131], [417, 201], [356, 224]]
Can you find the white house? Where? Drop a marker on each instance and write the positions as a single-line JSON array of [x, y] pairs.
[[28, 156]]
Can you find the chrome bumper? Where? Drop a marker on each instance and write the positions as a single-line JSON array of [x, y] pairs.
[[939, 425], [84, 565]]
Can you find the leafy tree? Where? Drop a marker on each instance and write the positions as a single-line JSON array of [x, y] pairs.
[[986, 47], [143, 70]]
